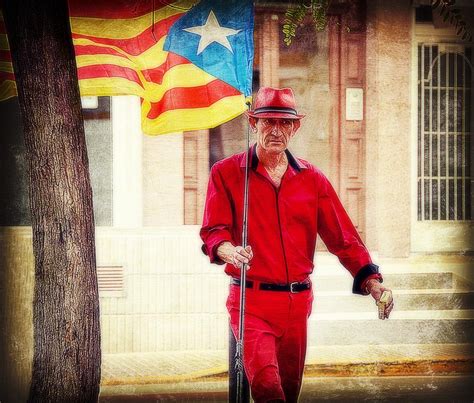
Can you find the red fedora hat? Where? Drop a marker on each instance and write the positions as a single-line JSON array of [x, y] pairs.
[[275, 103]]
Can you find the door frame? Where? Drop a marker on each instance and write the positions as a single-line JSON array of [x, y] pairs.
[[432, 236]]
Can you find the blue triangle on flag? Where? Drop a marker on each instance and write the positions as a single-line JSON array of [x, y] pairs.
[[217, 36]]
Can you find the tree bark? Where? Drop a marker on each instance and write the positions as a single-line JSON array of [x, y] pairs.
[[66, 362]]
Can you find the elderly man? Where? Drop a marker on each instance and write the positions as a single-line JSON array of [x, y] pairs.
[[290, 202]]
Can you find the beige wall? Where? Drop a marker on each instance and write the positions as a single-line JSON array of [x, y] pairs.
[[16, 313], [306, 70], [173, 298], [163, 180], [388, 120]]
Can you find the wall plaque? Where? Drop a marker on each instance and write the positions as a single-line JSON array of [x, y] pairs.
[[354, 103]]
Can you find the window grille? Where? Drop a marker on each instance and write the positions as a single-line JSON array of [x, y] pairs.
[[444, 132]]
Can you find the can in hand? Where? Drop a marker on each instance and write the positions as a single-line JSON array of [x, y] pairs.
[[383, 302]]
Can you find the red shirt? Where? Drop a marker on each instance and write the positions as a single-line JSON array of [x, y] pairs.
[[283, 222]]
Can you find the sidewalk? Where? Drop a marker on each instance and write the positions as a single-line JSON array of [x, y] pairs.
[[356, 360]]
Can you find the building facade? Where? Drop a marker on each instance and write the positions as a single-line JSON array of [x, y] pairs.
[[387, 93], [387, 98]]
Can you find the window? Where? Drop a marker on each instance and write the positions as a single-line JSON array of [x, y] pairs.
[[444, 132], [14, 198]]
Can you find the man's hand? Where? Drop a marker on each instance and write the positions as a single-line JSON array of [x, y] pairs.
[[376, 289], [236, 255]]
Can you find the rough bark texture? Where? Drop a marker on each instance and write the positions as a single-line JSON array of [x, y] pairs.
[[66, 363]]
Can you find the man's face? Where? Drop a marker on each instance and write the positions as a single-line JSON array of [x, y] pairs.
[[273, 135]]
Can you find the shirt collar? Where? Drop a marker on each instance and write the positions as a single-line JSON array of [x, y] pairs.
[[292, 161]]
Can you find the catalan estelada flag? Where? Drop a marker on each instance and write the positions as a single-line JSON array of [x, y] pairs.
[[190, 62], [7, 78]]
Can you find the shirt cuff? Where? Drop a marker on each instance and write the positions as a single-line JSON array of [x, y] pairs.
[[210, 247], [364, 283], [363, 275]]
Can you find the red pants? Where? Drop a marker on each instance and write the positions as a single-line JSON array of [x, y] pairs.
[[274, 340]]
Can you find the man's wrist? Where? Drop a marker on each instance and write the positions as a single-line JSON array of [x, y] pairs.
[[224, 251], [370, 284]]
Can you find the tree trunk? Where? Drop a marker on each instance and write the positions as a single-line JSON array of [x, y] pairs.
[[66, 362]]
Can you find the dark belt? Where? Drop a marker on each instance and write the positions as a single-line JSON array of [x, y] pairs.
[[291, 287]]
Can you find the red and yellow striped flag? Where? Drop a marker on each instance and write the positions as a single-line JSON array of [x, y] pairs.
[[119, 47], [7, 78]]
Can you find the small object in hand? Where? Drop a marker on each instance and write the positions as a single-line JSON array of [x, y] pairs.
[[383, 302]]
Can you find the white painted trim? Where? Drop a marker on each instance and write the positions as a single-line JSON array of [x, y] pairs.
[[127, 161], [428, 33], [414, 136]]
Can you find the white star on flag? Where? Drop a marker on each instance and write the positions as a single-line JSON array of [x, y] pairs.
[[211, 32]]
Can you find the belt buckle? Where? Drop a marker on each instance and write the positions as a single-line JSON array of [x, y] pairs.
[[291, 287]]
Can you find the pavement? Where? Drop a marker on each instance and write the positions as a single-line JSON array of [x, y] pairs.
[[454, 388], [202, 375], [179, 366]]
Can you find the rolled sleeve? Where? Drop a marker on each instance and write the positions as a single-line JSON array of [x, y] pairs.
[[214, 239], [366, 273], [217, 219]]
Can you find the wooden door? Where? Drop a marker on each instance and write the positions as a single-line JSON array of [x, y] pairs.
[[347, 82]]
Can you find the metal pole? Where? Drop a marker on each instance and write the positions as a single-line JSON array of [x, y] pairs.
[[239, 353], [245, 396]]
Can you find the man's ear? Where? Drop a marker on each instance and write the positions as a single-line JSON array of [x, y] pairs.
[[296, 125], [253, 123]]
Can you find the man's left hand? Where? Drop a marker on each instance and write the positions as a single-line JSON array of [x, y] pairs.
[[376, 289]]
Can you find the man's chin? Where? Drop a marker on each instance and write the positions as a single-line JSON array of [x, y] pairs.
[[275, 146]]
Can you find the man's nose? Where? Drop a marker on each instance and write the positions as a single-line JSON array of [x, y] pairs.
[[276, 129]]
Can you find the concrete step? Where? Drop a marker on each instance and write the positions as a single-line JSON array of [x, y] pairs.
[[342, 281], [389, 360], [405, 300], [403, 327]]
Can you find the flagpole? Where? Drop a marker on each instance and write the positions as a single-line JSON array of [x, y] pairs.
[[239, 351]]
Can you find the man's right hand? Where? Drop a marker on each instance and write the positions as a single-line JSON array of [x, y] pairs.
[[235, 255]]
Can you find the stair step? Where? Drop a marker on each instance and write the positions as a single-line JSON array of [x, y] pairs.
[[405, 300], [412, 327], [437, 280], [391, 360], [366, 353]]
